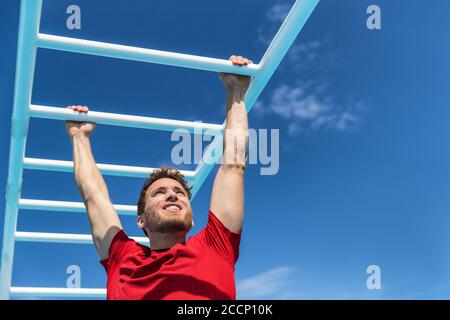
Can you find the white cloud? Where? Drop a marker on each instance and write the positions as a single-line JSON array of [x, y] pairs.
[[306, 109], [346, 121], [294, 129], [308, 104], [305, 52], [275, 16], [292, 102], [265, 284], [278, 12], [299, 53]]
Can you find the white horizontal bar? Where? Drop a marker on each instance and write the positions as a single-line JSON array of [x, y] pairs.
[[107, 169], [124, 120], [63, 237], [141, 54], [58, 292], [69, 206]]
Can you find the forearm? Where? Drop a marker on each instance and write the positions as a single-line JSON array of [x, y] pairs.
[[89, 180], [235, 144]]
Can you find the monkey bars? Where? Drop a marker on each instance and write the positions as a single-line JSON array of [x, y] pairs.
[[29, 39]]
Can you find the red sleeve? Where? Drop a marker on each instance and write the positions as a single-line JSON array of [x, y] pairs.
[[223, 241], [117, 250]]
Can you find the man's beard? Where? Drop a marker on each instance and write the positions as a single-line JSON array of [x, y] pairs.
[[168, 223]]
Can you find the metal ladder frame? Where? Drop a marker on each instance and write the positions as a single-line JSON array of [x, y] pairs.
[[29, 39]]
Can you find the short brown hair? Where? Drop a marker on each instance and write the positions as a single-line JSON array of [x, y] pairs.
[[163, 172]]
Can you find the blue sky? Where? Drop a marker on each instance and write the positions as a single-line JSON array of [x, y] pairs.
[[363, 116]]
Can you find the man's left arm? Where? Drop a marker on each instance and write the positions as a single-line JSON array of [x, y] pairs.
[[227, 199]]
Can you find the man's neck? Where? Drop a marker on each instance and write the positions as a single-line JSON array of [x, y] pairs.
[[160, 241]]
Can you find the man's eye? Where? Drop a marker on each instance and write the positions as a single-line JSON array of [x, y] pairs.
[[159, 191], [181, 192]]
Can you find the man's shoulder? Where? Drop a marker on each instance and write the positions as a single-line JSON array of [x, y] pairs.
[[135, 242]]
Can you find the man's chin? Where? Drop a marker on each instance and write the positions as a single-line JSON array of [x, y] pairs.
[[175, 222], [174, 227]]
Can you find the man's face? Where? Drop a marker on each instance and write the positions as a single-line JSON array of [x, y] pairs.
[[167, 208]]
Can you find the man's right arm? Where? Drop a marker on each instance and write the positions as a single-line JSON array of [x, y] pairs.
[[103, 218]]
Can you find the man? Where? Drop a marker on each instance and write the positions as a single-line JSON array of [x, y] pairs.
[[202, 267]]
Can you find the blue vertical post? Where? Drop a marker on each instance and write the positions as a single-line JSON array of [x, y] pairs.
[[30, 14]]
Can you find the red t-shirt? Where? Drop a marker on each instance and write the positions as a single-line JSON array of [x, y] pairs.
[[200, 268]]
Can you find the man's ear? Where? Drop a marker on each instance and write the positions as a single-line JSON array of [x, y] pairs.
[[140, 222]]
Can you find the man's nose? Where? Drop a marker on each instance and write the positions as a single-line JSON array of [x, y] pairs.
[[172, 196]]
